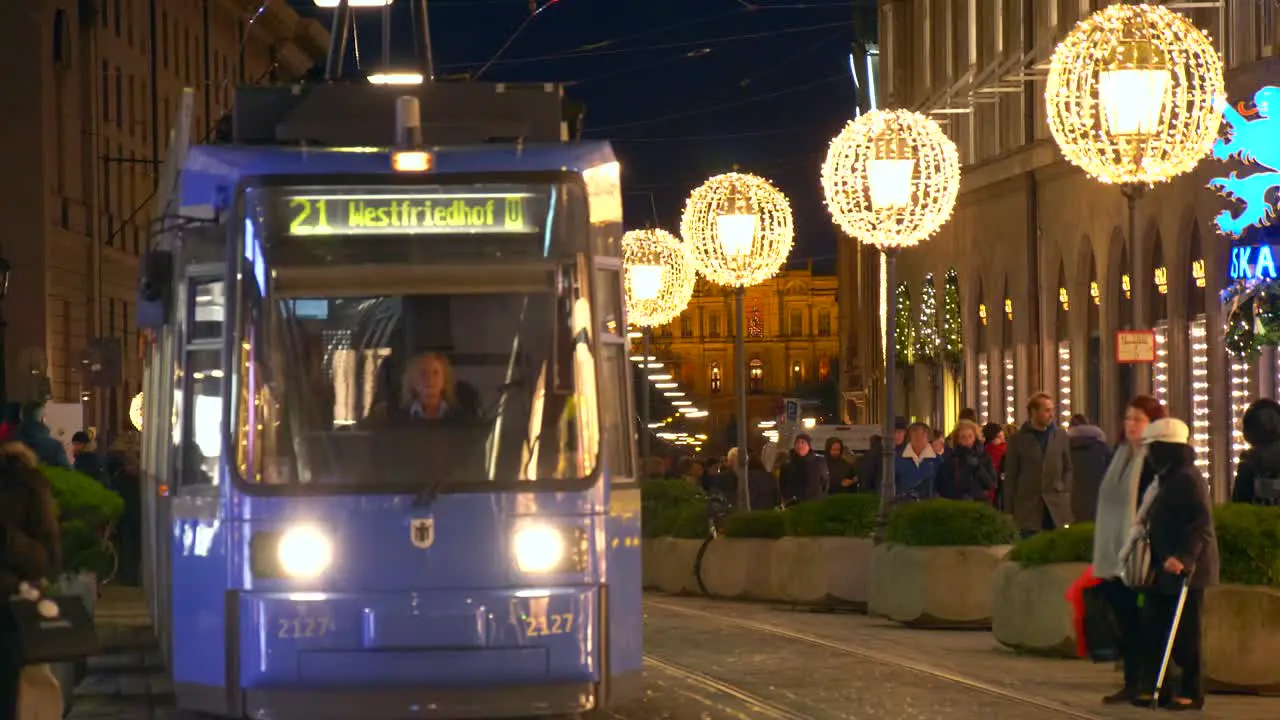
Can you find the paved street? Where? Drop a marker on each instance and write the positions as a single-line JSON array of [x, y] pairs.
[[733, 661]]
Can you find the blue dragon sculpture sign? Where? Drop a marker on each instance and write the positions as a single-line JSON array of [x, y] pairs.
[[1254, 138]]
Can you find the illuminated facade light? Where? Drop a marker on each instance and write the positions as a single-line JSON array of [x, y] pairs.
[[1093, 292], [1162, 280], [1064, 381], [1132, 92], [1008, 308], [1160, 369], [1063, 299], [1239, 403], [1197, 272], [982, 313], [984, 387], [1010, 388], [1197, 333], [1126, 286]]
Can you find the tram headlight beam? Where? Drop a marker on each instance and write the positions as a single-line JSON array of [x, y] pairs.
[[540, 548], [304, 552]]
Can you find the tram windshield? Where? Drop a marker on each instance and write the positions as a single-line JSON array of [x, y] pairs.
[[377, 372]]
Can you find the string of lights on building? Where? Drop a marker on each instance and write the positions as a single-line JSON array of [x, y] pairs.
[[660, 376]]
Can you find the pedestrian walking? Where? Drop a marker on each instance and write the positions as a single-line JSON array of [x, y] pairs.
[[1090, 455]]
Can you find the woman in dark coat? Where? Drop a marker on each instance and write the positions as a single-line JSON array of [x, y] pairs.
[[966, 472], [30, 548], [1258, 474], [804, 477], [1179, 521]]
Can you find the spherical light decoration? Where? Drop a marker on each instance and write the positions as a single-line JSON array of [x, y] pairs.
[[1133, 94], [135, 411], [738, 229], [659, 276], [891, 178]]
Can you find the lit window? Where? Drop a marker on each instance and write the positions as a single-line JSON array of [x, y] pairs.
[[755, 375], [715, 377]]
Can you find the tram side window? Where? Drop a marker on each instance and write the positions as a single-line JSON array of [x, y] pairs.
[[615, 415], [208, 310], [203, 433]]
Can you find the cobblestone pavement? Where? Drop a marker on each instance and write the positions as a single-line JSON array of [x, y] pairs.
[[733, 661]]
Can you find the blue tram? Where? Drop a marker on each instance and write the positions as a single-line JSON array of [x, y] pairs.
[[388, 424]]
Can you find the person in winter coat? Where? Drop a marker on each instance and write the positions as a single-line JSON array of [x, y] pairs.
[[1037, 471], [966, 473], [916, 467], [761, 484], [994, 445], [805, 475], [36, 435], [869, 465], [844, 478], [1258, 474], [30, 548], [1090, 456], [1183, 542], [1126, 479]]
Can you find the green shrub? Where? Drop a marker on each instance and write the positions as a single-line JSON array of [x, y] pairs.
[[85, 508], [82, 498], [949, 523], [834, 516], [1072, 544], [1249, 543], [674, 508], [770, 524]]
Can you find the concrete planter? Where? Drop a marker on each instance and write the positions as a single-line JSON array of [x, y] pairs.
[[672, 560], [1242, 639], [822, 570], [739, 568], [1029, 609], [944, 587]]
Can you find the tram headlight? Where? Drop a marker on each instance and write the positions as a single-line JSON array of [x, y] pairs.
[[539, 548], [304, 552]]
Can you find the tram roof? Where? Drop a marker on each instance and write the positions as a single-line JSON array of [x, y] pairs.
[[210, 171]]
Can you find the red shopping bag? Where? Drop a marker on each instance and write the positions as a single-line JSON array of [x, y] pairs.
[[1075, 596]]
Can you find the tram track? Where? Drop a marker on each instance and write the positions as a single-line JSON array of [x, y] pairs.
[[760, 708], [935, 673]]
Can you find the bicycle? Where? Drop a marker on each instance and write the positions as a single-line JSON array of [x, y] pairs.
[[110, 554], [717, 510]]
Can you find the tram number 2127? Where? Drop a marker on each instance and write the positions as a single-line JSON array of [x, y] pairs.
[[302, 627], [548, 625]]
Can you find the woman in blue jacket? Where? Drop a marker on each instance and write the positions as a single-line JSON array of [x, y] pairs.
[[916, 467]]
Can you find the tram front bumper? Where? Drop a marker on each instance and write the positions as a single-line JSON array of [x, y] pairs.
[[431, 653]]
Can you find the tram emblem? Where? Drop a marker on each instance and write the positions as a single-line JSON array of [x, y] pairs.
[[422, 532]]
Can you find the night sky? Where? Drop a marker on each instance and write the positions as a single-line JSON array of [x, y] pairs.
[[684, 88]]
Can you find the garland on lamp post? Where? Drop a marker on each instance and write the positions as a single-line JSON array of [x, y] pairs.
[[903, 334], [926, 340], [952, 319]]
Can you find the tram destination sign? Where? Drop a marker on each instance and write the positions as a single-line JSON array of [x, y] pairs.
[[410, 213]]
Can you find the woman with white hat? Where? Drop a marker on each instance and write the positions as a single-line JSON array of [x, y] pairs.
[[1178, 516]]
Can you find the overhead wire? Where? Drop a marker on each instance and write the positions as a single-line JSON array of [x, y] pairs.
[[512, 38]]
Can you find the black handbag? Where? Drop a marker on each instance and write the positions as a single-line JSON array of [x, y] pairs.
[[68, 636], [1102, 631]]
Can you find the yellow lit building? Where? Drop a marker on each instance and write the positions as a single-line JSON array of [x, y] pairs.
[[792, 343]]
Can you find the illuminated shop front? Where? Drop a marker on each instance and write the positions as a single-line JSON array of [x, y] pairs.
[[1064, 354]]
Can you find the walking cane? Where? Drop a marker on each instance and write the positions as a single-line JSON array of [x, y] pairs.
[[1173, 634]]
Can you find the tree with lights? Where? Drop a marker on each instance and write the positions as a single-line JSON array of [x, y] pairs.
[[952, 319], [926, 340], [755, 324], [903, 332]]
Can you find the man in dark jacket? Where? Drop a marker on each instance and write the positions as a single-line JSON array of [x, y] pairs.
[[36, 435], [805, 475], [1090, 455], [843, 476], [1037, 471], [1258, 474]]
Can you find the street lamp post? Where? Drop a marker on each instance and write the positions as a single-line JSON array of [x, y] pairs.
[[659, 284], [891, 179], [739, 231], [1132, 99]]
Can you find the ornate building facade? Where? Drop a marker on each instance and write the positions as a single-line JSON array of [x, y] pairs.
[[87, 123], [792, 340], [1048, 271]]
